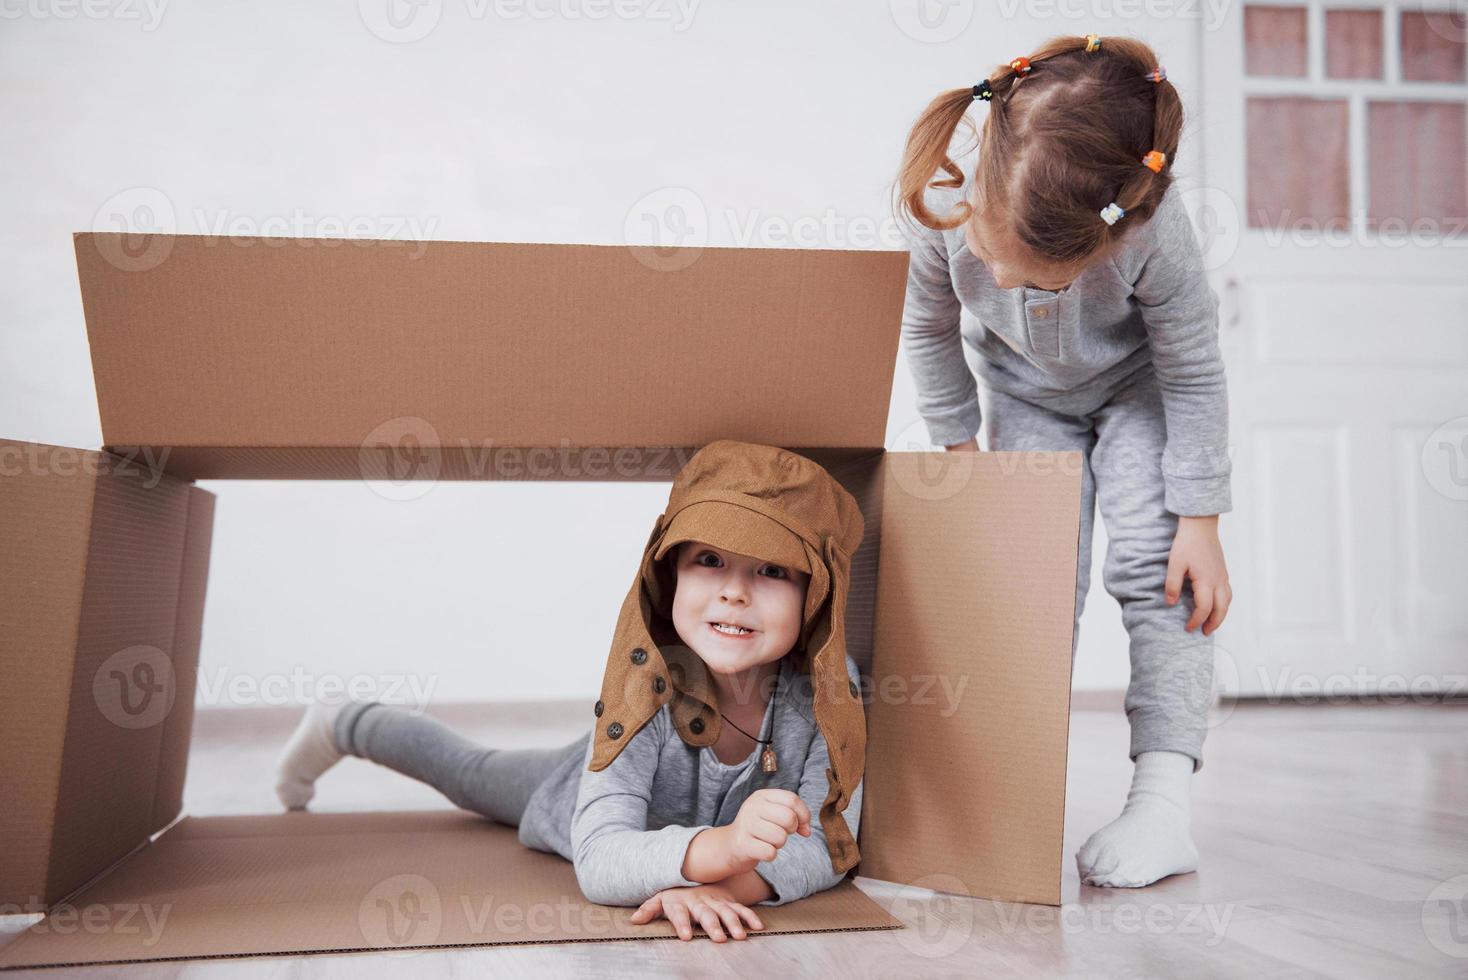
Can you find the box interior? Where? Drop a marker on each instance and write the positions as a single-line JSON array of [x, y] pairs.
[[966, 577]]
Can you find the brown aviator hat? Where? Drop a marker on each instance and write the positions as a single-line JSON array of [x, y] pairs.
[[777, 506]]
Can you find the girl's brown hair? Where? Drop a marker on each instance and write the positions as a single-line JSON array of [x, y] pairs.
[[1059, 144]]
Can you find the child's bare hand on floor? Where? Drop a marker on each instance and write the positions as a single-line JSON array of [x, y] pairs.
[[1198, 554], [711, 906]]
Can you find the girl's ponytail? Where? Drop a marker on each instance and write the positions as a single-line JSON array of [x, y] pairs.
[[927, 153]]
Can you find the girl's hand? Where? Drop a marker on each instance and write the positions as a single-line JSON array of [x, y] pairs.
[[1197, 553], [712, 906], [764, 823]]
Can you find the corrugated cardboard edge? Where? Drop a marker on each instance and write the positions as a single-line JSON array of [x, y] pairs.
[[978, 573], [380, 882], [110, 691]]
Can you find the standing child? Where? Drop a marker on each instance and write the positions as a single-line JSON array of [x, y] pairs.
[[736, 615], [1066, 261]]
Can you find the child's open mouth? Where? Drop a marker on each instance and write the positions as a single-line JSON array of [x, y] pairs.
[[729, 629]]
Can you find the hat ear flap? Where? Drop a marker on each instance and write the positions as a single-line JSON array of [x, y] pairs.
[[657, 581], [838, 706]]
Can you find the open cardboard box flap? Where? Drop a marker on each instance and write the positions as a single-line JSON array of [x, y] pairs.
[[320, 359]]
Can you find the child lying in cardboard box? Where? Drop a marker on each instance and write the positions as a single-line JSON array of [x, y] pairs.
[[736, 615]]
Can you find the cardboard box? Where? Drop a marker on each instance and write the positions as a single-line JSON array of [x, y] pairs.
[[221, 358]]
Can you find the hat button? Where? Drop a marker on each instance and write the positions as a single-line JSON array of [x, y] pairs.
[[851, 686], [614, 730], [599, 709], [696, 726], [659, 685], [639, 656]]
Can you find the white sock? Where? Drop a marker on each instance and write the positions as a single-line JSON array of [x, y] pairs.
[[1151, 839], [309, 753]]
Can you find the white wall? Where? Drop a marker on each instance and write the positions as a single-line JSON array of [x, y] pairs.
[[292, 118]]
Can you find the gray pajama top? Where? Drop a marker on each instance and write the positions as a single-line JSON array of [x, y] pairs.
[[627, 828]]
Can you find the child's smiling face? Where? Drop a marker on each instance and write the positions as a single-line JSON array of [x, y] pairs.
[[733, 590]]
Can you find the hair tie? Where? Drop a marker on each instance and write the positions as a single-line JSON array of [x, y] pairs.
[[1112, 213], [1158, 74], [1021, 66], [983, 91], [1093, 41], [1154, 161]]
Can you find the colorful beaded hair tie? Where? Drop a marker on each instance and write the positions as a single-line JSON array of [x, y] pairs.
[[983, 91], [1158, 74], [1154, 161], [1021, 66], [1112, 213], [1093, 41]]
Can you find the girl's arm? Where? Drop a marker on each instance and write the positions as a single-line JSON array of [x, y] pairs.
[[947, 395], [1180, 311], [617, 860]]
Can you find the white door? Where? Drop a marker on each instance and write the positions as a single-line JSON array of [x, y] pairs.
[[1335, 214]]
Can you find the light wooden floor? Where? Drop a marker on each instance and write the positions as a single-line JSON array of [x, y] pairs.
[[1323, 830]]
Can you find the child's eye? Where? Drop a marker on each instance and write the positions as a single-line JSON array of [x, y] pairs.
[[713, 558], [774, 571]]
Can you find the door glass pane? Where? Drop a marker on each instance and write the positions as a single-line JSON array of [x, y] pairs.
[[1418, 164], [1297, 163], [1274, 41], [1353, 44], [1433, 45]]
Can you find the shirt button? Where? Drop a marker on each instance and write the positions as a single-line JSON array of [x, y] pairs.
[[614, 730], [1043, 311], [599, 709], [696, 726], [639, 656]]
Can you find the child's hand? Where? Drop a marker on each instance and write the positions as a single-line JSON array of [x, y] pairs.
[[712, 906], [1197, 553], [764, 823]]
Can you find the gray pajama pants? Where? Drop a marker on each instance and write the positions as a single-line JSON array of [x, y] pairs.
[[496, 783], [1171, 685]]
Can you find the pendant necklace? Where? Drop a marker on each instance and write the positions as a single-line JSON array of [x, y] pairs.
[[767, 761]]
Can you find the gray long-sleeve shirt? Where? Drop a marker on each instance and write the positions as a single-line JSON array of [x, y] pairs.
[[1150, 303], [628, 827]]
